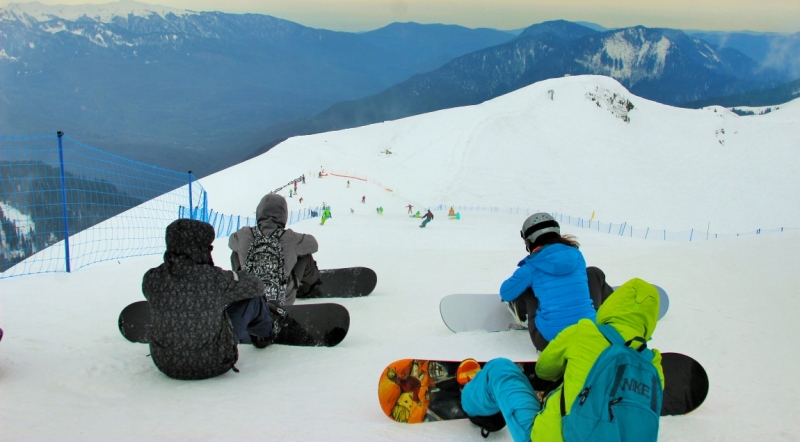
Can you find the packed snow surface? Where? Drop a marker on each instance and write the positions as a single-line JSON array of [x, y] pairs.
[[66, 373]]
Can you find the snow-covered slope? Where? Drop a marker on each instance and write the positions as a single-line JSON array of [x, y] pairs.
[[667, 168], [65, 372]]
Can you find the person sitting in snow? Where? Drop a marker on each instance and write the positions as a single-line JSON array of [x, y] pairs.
[[262, 249], [200, 312], [552, 288], [501, 394], [452, 212]]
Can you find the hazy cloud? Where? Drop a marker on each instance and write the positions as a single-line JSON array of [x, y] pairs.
[[360, 15]]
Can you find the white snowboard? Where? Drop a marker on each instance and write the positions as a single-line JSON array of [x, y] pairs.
[[473, 312]]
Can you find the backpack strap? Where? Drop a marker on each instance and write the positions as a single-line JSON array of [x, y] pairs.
[[612, 335]]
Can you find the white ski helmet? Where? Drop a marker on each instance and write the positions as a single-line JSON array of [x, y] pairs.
[[537, 225]]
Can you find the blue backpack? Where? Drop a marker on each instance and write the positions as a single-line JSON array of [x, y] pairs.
[[621, 398]]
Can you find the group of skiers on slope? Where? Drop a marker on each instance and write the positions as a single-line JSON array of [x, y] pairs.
[[568, 308], [200, 312]]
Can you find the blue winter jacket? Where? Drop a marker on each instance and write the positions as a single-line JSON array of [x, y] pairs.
[[557, 275]]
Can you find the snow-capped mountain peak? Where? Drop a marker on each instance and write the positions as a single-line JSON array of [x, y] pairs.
[[35, 12]]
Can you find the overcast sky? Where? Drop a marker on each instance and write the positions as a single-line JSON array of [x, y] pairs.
[[362, 15]]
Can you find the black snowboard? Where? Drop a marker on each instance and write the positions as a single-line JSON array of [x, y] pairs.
[[686, 384], [439, 395], [350, 282], [309, 325]]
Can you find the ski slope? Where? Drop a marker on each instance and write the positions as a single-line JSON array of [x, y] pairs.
[[67, 374]]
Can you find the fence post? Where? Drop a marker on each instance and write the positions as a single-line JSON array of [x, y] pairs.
[[191, 206], [204, 213], [64, 199]]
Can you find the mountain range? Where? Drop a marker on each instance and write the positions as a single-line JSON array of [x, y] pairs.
[[664, 65], [203, 90], [184, 89]]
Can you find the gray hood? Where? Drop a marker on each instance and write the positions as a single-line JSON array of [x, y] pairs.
[[272, 212]]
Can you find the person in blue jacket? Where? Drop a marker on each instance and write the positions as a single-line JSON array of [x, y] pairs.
[[552, 288]]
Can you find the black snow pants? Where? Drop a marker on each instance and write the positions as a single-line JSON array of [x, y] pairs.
[[527, 303]]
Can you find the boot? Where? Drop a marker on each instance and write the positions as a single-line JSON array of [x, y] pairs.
[[489, 424]]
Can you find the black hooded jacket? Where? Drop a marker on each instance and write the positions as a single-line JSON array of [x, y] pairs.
[[192, 337]]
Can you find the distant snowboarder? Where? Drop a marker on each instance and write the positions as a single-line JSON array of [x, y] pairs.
[[364, 199], [427, 218], [325, 215], [409, 208], [348, 184]]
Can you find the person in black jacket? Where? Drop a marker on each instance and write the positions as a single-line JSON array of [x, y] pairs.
[[193, 336]]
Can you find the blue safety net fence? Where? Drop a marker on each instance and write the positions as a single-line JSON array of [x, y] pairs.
[[621, 229], [224, 225], [65, 205]]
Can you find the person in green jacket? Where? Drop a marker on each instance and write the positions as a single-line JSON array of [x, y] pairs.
[[501, 392], [325, 215]]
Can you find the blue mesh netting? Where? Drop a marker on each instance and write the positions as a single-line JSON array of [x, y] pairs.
[[108, 206], [622, 229], [224, 225]]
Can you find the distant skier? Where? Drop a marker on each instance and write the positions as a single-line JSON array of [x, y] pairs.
[[290, 193], [301, 199], [552, 288], [348, 184], [260, 250], [380, 210], [325, 215], [426, 219], [295, 186], [304, 178], [201, 312], [364, 199], [409, 208]]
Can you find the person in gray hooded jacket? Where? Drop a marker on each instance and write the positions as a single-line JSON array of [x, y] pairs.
[[299, 266]]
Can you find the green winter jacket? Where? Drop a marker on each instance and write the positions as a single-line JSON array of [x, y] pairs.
[[632, 310]]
